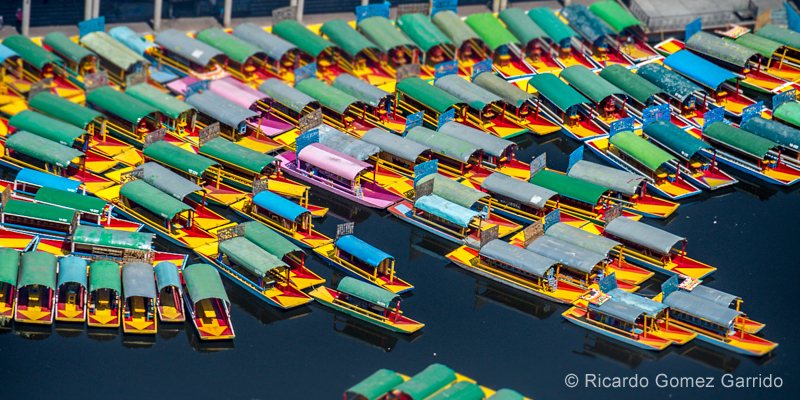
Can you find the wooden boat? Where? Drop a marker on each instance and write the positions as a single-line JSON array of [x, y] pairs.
[[504, 48], [517, 268], [159, 198], [712, 321], [627, 317], [36, 285], [396, 50], [609, 102], [88, 120], [313, 48], [120, 64], [517, 104], [693, 153], [40, 68], [96, 242], [786, 136], [78, 61], [595, 35], [565, 46], [559, 102], [664, 174], [245, 61], [267, 123], [787, 39], [688, 100], [775, 57], [535, 48], [453, 211], [339, 108], [336, 172], [369, 105], [428, 383], [9, 269], [127, 118], [139, 306], [44, 219], [379, 383], [71, 289], [244, 254], [368, 303], [188, 56], [207, 303], [291, 105], [750, 153], [718, 297], [177, 116], [358, 55], [170, 292], [143, 46], [11, 101], [470, 49], [628, 35], [361, 260], [434, 45], [105, 295], [654, 248], [285, 217], [280, 58]]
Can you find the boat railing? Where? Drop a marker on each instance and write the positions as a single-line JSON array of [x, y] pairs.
[[227, 175], [342, 303], [613, 329]]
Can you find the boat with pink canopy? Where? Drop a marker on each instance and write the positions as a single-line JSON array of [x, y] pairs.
[[336, 172]]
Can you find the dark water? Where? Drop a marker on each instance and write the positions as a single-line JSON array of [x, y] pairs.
[[492, 334]]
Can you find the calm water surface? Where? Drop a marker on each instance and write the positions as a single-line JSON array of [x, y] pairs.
[[492, 334]]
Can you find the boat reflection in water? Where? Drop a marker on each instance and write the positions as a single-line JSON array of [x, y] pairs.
[[721, 360], [33, 332], [486, 292], [599, 347], [207, 346], [364, 333], [262, 312]]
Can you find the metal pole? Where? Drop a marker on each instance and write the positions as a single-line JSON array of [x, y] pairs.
[[300, 6], [495, 6], [96, 9], [226, 17], [87, 9], [157, 15], [364, 2], [503, 4], [26, 17]]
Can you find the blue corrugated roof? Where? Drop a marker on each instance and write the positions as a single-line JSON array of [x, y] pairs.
[[362, 250], [446, 209], [278, 205], [72, 269], [167, 275], [698, 69], [5, 52], [46, 180]]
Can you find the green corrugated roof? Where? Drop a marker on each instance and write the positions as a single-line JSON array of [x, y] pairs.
[[461, 391], [569, 187], [178, 158], [153, 199], [427, 382], [634, 85], [788, 112], [675, 139], [46, 127], [422, 31], [9, 266], [491, 31], [250, 256], [203, 282], [350, 40], [381, 32], [120, 104], [454, 27], [113, 238], [327, 95], [163, 101], [30, 52], [62, 44], [738, 138], [617, 17], [557, 30], [39, 211], [63, 109], [104, 274], [722, 49], [235, 154], [236, 49], [71, 200], [368, 292], [42, 149], [301, 37], [37, 268], [521, 26], [781, 35], [650, 155], [588, 83], [765, 47], [555, 90], [110, 49], [433, 97], [376, 385], [268, 239]]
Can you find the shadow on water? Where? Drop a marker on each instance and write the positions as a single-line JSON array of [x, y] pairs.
[[595, 346], [260, 310], [523, 303]]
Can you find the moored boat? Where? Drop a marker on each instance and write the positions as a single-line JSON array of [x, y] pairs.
[[72, 288], [281, 57], [9, 269], [170, 292], [786, 136], [595, 34], [628, 33], [567, 48], [188, 56], [105, 295], [36, 284], [139, 299], [564, 105], [368, 303], [207, 303], [121, 64], [503, 47], [517, 103], [535, 49]]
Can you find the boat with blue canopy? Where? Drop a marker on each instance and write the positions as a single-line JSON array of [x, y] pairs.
[[71, 290], [170, 292]]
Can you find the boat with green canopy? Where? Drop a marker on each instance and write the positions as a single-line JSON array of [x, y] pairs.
[[644, 93], [697, 156], [246, 256], [535, 49], [91, 210], [378, 107], [454, 156], [188, 56], [774, 59], [9, 269], [105, 293], [427, 383], [312, 46], [788, 137], [339, 108], [129, 119], [469, 47], [414, 95], [788, 113], [635, 154], [504, 47], [563, 40], [36, 285], [97, 242], [787, 37], [435, 45], [244, 58], [39, 64], [45, 219], [397, 48], [517, 103], [79, 60], [565, 106], [751, 153], [281, 58], [374, 386], [629, 36], [610, 101], [177, 115], [363, 58], [121, 64], [368, 303], [71, 289], [207, 303]]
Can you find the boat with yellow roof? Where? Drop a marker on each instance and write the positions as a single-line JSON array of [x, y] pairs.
[[207, 303], [36, 284]]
